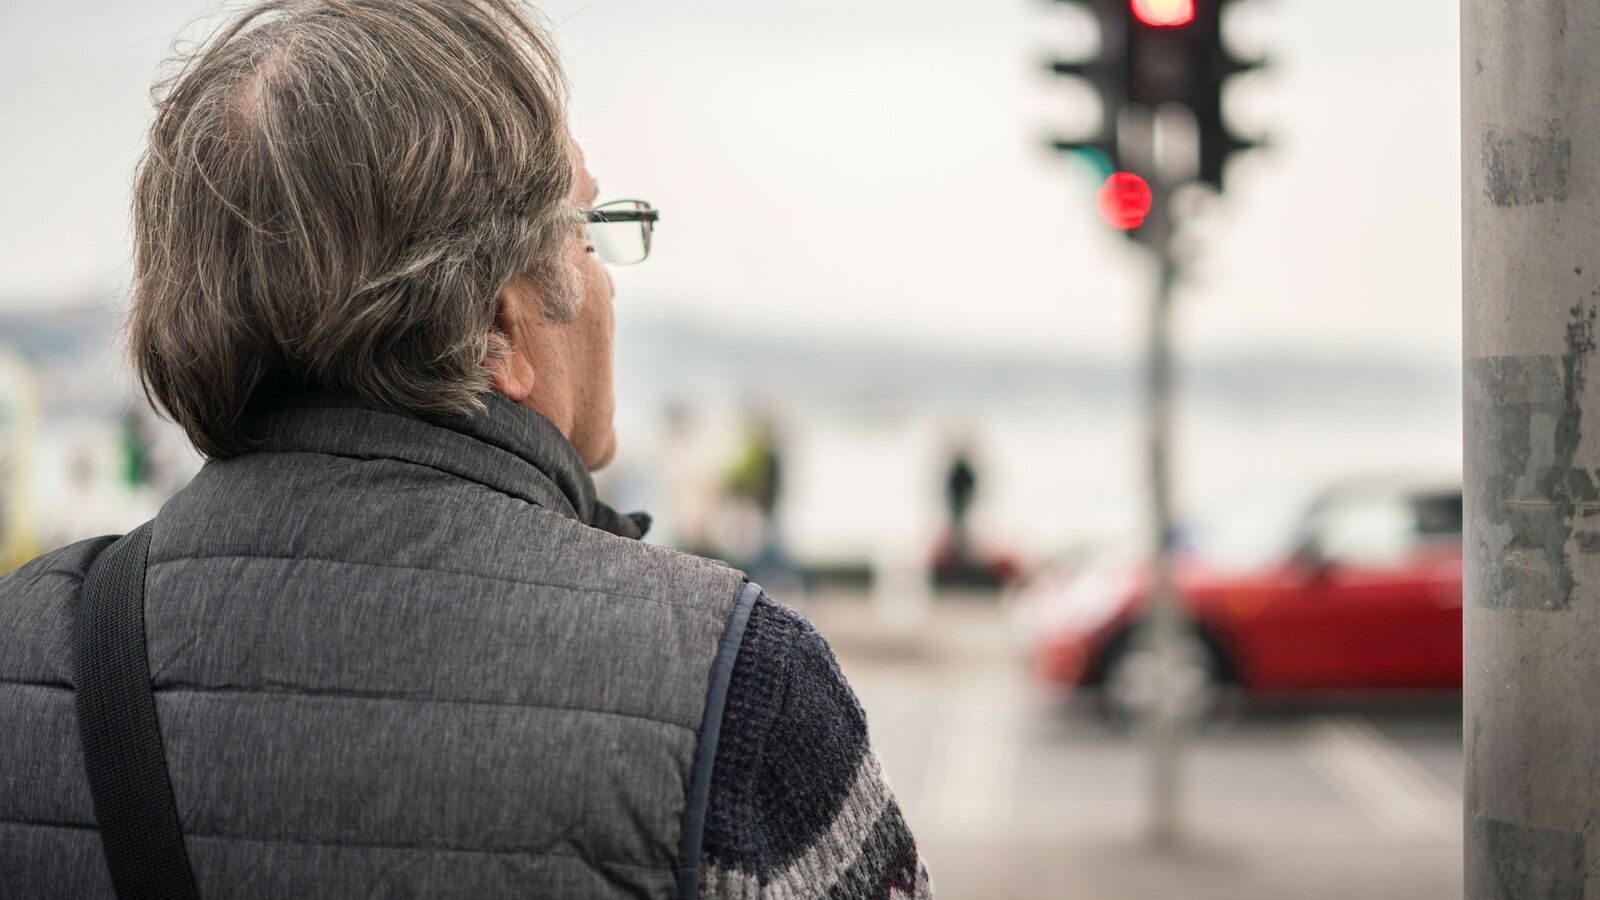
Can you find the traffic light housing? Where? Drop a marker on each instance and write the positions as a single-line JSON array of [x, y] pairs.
[[1106, 75], [1189, 65], [1155, 54]]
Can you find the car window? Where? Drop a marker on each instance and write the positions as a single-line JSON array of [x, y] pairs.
[[1369, 530], [1438, 515], [1381, 530]]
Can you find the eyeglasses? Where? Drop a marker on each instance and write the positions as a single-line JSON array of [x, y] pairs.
[[620, 230]]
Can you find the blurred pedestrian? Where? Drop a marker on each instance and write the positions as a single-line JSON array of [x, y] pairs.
[[755, 477], [958, 560], [396, 643], [960, 483]]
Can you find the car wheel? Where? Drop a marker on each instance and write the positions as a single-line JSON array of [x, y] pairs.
[[1135, 680]]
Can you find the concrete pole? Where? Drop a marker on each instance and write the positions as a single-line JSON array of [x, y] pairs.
[[1531, 252]]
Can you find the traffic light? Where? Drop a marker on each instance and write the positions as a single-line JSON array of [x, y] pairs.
[[1106, 75], [1124, 200], [1163, 13], [1176, 55], [1158, 55]]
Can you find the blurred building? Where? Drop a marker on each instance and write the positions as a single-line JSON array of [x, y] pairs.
[[19, 423], [84, 455]]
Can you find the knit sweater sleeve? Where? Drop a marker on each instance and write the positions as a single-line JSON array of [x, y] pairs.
[[798, 804]]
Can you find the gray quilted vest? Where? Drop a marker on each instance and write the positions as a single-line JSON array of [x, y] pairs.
[[390, 658]]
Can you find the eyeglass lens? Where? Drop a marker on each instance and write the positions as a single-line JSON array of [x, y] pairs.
[[621, 243]]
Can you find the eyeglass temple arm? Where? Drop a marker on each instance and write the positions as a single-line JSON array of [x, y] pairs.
[[635, 215]]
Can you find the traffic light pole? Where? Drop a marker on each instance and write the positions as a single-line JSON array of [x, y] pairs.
[[1159, 73], [1166, 720], [1531, 216]]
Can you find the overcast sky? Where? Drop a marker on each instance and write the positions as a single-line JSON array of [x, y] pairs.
[[873, 170]]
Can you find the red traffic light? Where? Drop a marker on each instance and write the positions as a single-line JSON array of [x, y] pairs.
[[1163, 13], [1124, 200]]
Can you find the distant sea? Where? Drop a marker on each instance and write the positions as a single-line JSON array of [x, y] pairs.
[[867, 430], [1058, 442]]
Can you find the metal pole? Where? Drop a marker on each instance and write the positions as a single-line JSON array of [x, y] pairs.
[[1165, 718], [1531, 253]]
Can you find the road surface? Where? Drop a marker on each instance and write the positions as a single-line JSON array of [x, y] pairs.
[[1017, 792]]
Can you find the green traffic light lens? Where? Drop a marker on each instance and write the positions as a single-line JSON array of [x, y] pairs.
[[1096, 159]]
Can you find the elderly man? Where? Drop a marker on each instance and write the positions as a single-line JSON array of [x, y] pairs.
[[395, 644]]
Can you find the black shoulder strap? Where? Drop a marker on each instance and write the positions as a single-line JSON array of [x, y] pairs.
[[122, 750]]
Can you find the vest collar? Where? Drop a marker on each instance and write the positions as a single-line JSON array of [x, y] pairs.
[[507, 447]]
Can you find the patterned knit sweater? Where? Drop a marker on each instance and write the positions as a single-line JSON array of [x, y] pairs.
[[798, 805]]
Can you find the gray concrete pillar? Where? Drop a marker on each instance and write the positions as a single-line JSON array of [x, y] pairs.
[[1530, 134]]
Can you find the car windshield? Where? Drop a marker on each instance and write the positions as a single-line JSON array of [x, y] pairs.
[[1374, 526]]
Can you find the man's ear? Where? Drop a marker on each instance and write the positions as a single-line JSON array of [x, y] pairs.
[[513, 372]]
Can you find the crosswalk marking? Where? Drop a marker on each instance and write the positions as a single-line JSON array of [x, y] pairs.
[[970, 777], [1402, 799]]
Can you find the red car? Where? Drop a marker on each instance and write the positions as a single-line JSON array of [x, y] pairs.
[[1363, 592]]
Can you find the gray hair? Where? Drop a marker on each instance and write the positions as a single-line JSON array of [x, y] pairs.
[[334, 195]]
